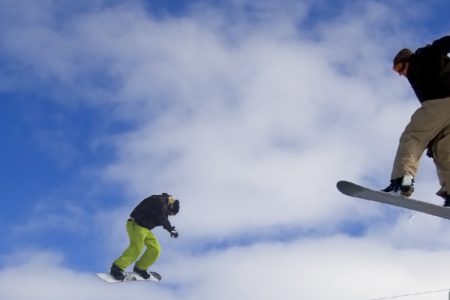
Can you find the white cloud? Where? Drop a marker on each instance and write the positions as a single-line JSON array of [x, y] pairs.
[[257, 133], [41, 276], [250, 126], [334, 267]]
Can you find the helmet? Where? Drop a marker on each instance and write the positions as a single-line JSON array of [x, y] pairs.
[[174, 207], [174, 204], [402, 56]]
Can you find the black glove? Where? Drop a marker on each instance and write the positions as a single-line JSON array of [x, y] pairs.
[[173, 233], [430, 146], [430, 152]]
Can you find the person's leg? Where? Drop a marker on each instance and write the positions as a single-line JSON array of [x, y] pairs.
[[136, 236], [425, 124], [151, 254], [441, 158]]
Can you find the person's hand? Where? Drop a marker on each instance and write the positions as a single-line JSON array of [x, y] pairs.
[[173, 233]]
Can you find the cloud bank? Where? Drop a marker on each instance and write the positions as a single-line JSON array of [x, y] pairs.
[[249, 113]]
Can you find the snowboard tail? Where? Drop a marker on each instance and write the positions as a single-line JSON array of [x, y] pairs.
[[354, 190]]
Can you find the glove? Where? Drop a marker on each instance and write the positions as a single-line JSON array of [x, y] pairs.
[[173, 233], [432, 143], [430, 152]]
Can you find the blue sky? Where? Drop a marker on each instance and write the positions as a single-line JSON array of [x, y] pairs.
[[247, 111]]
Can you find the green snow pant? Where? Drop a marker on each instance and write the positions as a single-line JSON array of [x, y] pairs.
[[139, 237], [431, 120]]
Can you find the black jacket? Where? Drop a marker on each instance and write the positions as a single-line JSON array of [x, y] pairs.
[[151, 212], [429, 70]]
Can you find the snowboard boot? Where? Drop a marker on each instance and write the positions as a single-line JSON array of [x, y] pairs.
[[142, 273], [403, 186], [117, 273], [442, 193]]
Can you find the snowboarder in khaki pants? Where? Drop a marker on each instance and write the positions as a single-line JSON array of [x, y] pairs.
[[428, 72], [151, 212]]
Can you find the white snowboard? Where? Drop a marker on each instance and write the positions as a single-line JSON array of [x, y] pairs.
[[129, 276], [354, 190]]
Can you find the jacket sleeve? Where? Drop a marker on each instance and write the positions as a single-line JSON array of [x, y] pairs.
[[442, 45], [166, 224], [164, 217]]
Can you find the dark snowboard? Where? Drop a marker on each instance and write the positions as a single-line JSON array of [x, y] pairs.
[[354, 190]]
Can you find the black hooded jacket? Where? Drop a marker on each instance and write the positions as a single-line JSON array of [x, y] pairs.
[[429, 70], [151, 212]]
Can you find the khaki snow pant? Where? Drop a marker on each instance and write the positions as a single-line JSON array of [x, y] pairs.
[[431, 122], [441, 158], [139, 237]]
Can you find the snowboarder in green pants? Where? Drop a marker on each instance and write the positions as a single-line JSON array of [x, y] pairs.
[[153, 211]]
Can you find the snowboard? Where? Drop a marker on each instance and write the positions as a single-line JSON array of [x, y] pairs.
[[355, 190], [129, 276]]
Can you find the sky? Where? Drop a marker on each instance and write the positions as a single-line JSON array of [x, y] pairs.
[[248, 112]]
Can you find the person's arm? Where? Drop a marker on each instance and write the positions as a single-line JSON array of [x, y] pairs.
[[442, 45], [164, 219]]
